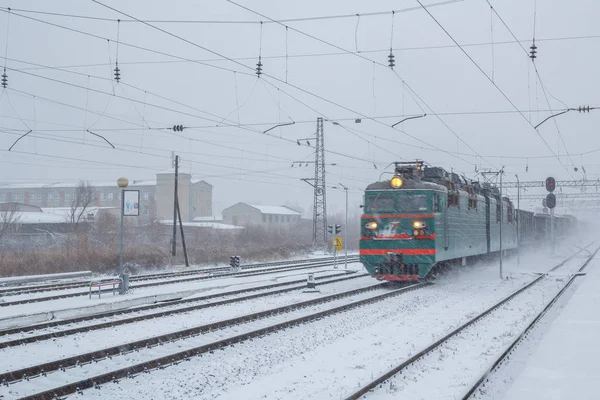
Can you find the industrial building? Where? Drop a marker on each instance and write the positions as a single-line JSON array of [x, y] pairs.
[[156, 196]]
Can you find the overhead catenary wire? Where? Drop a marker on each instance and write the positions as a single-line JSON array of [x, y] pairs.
[[535, 69], [254, 22], [412, 92], [170, 55], [267, 75], [208, 65], [492, 82]]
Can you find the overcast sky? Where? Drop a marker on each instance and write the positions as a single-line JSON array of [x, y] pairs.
[[161, 85]]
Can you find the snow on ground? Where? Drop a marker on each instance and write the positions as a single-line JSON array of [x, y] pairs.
[[35, 353], [82, 372], [134, 285], [34, 280], [201, 287], [324, 289], [333, 356], [448, 371], [558, 359]]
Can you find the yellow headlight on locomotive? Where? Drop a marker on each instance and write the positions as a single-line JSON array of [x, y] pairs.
[[419, 224], [371, 225], [396, 182]]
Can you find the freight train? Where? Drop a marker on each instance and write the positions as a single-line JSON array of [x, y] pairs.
[[424, 218]]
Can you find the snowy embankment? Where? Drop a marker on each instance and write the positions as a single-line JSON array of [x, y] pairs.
[[558, 358], [22, 356], [33, 313], [142, 354], [333, 356]]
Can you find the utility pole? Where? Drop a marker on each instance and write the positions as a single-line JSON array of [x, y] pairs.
[[173, 241], [319, 197], [518, 214], [346, 229], [498, 173], [176, 214], [501, 219]]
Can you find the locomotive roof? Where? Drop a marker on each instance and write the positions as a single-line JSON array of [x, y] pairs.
[[414, 184]]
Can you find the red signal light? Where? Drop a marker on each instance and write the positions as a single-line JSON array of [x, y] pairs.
[[550, 184]]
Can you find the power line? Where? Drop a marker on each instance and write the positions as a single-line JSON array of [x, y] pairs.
[[320, 54], [212, 66], [411, 90], [492, 82], [537, 73], [270, 76], [228, 22]]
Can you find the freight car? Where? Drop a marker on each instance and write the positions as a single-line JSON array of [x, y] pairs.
[[425, 217]]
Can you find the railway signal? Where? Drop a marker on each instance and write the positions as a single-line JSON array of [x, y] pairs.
[[234, 262], [551, 200], [550, 184]]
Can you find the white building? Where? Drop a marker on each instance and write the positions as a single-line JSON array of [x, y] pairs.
[[242, 214], [156, 196]]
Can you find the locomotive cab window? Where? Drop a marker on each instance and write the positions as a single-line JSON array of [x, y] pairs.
[[380, 202], [409, 202]]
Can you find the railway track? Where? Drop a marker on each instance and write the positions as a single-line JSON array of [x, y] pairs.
[[29, 338], [264, 271], [480, 383], [455, 334], [102, 366], [163, 275]]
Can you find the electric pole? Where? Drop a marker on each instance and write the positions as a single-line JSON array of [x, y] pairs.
[[498, 173], [319, 196]]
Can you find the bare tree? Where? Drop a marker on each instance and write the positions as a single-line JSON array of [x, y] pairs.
[[82, 200], [9, 218]]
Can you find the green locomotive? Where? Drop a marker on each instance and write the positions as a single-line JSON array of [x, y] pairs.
[[424, 217]]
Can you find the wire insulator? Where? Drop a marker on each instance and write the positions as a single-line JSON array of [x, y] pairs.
[[259, 67], [391, 57], [4, 79], [533, 51], [117, 72]]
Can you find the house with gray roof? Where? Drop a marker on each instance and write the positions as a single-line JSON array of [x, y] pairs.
[[242, 214]]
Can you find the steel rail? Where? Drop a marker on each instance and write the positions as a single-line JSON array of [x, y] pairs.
[[184, 280], [410, 361], [71, 285], [511, 348], [111, 324], [96, 356], [169, 303]]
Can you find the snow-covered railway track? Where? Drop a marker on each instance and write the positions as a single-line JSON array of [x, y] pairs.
[[421, 372], [163, 275], [76, 373], [254, 272], [497, 363], [77, 325]]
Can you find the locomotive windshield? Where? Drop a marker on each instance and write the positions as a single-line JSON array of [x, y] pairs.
[[412, 202], [380, 202], [397, 201]]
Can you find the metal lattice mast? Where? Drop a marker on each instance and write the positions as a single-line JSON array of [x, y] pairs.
[[320, 202]]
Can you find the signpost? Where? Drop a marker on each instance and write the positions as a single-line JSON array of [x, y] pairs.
[[337, 244]]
